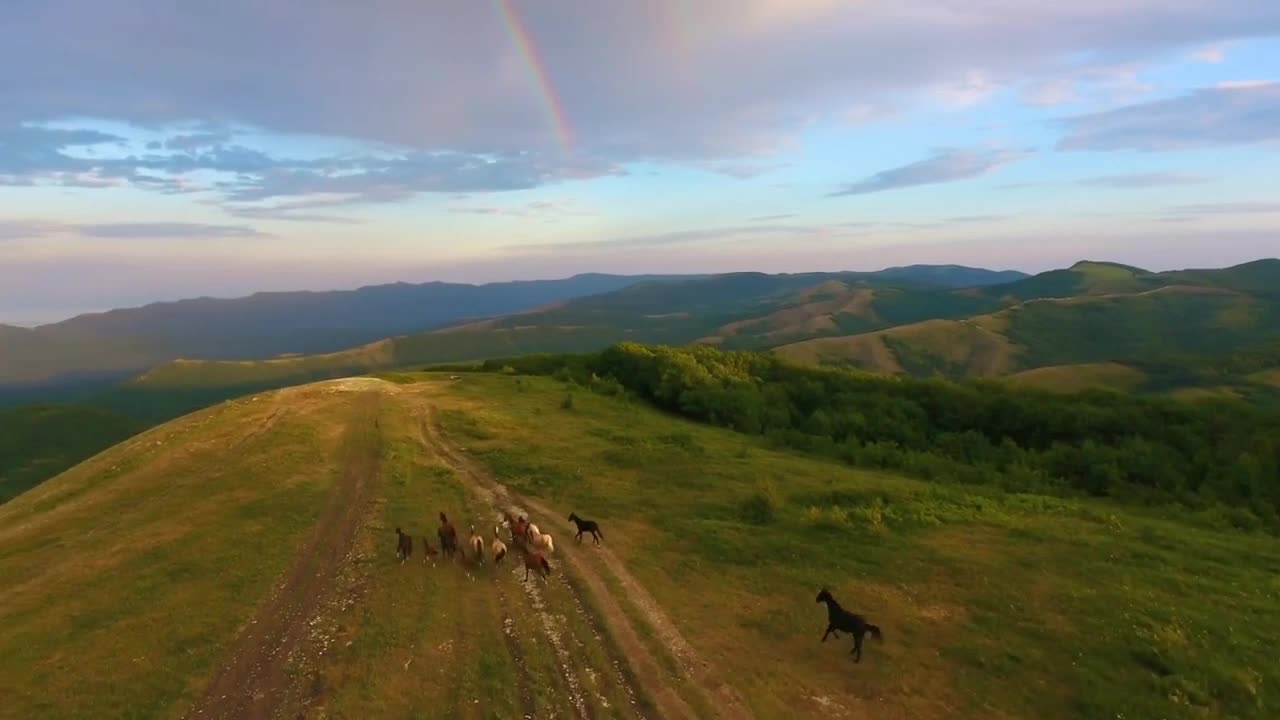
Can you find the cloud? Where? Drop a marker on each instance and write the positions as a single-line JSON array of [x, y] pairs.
[[195, 141], [295, 210], [975, 219], [1143, 180], [683, 237], [743, 170], [866, 113], [664, 80], [1223, 115], [1228, 208], [541, 208], [28, 151], [1048, 93], [970, 90], [946, 165], [27, 229], [768, 218], [32, 154], [1212, 54]]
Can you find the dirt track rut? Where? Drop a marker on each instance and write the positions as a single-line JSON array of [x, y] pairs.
[[724, 701], [253, 683]]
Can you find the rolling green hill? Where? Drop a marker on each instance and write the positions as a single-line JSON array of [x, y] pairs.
[[240, 561], [1155, 325], [131, 340], [844, 318], [735, 310], [125, 342]]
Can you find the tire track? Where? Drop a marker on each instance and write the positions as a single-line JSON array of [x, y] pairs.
[[644, 666]]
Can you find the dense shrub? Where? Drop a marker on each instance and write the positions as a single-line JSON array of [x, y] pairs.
[[1101, 444]]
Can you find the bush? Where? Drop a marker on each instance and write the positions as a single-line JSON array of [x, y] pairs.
[[1101, 444], [763, 506]]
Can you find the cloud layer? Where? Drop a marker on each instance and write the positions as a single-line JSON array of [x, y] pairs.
[[1230, 114], [664, 79], [946, 165], [31, 229]]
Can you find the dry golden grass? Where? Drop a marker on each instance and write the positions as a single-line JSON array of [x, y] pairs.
[[1085, 376], [867, 352]]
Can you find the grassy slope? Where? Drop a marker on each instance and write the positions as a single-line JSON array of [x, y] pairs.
[[993, 605], [127, 577], [40, 441], [1077, 378], [1078, 332]]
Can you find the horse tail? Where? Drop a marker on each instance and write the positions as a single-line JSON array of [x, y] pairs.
[[875, 632]]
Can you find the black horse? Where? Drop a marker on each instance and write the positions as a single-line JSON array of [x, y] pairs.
[[840, 619], [590, 526]]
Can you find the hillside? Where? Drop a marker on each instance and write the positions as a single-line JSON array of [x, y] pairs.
[[732, 310], [1144, 321], [39, 441], [241, 560], [37, 363], [263, 325]]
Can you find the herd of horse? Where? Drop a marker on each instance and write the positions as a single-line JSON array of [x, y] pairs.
[[535, 545]]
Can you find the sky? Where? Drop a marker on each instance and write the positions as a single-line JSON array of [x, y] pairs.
[[152, 150]]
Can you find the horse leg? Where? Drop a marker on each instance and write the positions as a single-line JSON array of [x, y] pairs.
[[857, 647], [596, 536], [828, 632]]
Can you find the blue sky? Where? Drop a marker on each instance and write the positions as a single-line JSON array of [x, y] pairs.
[[149, 153]]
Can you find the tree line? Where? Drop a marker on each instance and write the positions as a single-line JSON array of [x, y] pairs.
[[1211, 454]]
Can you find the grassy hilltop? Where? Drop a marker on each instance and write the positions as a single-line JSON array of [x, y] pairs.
[[138, 581]]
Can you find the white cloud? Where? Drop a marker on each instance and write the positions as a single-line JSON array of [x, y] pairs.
[[972, 89], [1238, 113], [945, 165], [1212, 54]]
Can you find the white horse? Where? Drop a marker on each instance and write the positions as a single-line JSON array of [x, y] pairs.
[[540, 541]]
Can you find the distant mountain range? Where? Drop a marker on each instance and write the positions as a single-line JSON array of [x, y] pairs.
[[1092, 325], [91, 349]]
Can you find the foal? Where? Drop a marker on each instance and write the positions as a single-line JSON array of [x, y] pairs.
[[404, 545], [840, 619], [499, 547], [590, 526], [477, 544], [448, 536]]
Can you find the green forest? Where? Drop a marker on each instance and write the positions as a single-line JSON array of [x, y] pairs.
[[1221, 458]]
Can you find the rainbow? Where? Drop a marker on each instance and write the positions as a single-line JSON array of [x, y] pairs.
[[537, 68]]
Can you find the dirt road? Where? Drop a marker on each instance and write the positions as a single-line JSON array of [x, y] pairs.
[[717, 695], [253, 683], [662, 679]]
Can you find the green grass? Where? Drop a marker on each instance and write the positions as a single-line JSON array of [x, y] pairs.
[[1138, 327], [40, 441], [1078, 378], [409, 613], [993, 604], [127, 577]]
